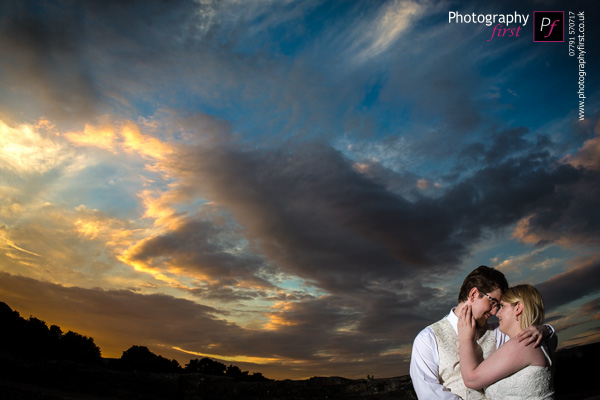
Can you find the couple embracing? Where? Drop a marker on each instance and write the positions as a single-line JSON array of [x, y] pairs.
[[463, 356]]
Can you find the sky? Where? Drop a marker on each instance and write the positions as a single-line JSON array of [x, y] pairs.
[[293, 187]]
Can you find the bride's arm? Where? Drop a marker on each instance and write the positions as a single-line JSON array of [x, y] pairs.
[[508, 359]]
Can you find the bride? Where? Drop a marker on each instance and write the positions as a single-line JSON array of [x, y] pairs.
[[514, 371]]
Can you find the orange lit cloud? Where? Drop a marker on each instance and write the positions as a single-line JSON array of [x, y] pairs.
[[147, 146], [278, 319], [115, 233], [159, 206], [522, 233], [126, 136], [588, 156], [103, 137], [140, 266]]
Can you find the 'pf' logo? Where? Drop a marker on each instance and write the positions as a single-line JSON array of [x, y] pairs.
[[548, 26]]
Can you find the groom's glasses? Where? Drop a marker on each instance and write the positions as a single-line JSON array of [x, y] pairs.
[[495, 303]]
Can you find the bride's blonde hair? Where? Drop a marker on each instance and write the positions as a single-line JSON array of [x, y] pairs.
[[531, 299]]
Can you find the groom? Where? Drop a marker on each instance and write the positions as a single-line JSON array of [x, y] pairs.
[[434, 364]]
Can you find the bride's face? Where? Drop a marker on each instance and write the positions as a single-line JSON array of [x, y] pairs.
[[506, 316]]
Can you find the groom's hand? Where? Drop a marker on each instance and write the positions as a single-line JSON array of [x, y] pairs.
[[534, 334]]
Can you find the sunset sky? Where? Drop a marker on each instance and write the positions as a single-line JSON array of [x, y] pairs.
[[293, 187]]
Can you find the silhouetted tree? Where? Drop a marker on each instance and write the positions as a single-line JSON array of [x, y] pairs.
[[140, 358], [76, 347], [205, 366], [235, 372], [257, 377], [13, 329], [33, 339], [40, 342]]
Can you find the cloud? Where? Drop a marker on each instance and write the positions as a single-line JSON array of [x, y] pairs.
[[309, 210], [27, 150], [214, 255], [565, 217], [573, 284], [515, 179], [391, 21], [125, 136], [530, 261], [76, 246], [587, 156], [578, 324], [313, 214], [46, 60]]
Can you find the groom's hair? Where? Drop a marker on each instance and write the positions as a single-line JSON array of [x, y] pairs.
[[485, 279]]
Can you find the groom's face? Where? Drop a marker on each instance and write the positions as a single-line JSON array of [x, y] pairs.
[[483, 307]]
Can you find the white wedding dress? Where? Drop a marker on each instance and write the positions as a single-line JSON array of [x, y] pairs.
[[533, 382]]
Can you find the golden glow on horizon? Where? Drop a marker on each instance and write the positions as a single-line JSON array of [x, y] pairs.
[[254, 360]]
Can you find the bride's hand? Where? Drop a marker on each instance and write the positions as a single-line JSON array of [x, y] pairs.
[[466, 324]]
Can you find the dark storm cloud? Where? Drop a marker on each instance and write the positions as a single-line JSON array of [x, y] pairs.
[[314, 215], [45, 59], [73, 61], [504, 144], [517, 178], [224, 292], [79, 60], [202, 247], [570, 215], [580, 281]]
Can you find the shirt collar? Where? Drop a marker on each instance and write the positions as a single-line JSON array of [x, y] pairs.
[[453, 319]]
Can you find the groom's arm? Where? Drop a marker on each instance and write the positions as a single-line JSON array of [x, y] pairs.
[[424, 366]]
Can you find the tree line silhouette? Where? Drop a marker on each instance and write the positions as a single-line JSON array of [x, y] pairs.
[[34, 340]]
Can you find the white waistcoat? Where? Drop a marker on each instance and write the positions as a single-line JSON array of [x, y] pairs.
[[449, 368]]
